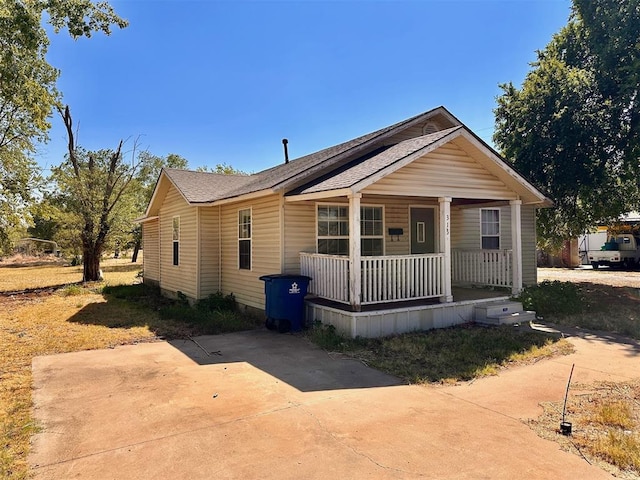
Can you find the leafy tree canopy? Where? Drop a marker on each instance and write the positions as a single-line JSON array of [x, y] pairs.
[[573, 127], [28, 92]]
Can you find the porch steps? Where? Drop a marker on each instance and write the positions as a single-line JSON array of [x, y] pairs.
[[502, 313]]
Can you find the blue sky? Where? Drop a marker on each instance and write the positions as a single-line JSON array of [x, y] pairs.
[[224, 82]]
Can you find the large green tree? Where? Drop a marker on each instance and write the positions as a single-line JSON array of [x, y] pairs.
[[28, 89], [97, 190], [572, 127]]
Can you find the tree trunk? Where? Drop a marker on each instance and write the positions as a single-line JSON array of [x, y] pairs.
[[91, 262], [136, 249]]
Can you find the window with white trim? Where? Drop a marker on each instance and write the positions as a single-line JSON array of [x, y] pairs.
[[490, 228], [333, 230], [244, 239], [371, 230], [175, 233]]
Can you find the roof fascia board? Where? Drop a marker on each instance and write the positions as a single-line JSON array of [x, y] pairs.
[[492, 155], [146, 219], [239, 198], [380, 174], [343, 192]]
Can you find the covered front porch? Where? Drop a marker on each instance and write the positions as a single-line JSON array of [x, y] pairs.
[[355, 280]]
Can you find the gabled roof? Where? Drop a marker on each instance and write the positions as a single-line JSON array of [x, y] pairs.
[[334, 168], [360, 170], [205, 187]]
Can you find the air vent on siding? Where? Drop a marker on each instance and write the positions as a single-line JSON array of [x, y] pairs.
[[430, 127]]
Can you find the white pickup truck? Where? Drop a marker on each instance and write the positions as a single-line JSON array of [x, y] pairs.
[[621, 250]]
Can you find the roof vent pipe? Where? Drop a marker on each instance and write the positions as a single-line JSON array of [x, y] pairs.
[[286, 150]]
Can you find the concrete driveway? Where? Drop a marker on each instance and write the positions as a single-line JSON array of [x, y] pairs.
[[269, 406]]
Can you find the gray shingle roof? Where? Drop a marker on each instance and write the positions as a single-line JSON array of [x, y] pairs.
[[201, 187], [204, 187], [367, 166]]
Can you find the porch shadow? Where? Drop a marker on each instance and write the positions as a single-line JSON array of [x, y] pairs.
[[289, 358], [460, 294]]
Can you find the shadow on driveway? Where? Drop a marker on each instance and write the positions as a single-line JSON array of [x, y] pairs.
[[290, 358]]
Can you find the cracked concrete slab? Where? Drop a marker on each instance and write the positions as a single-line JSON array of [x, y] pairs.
[[263, 405]]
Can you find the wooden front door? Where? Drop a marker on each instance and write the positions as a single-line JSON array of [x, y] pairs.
[[423, 238]]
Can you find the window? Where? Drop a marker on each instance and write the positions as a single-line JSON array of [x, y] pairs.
[[490, 228], [176, 240], [372, 242], [333, 230], [244, 239]]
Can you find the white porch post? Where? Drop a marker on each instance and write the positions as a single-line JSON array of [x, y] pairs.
[[445, 247], [355, 277], [516, 247]]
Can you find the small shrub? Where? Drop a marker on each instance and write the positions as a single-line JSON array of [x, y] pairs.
[[619, 448], [208, 322], [72, 290], [553, 298], [615, 414], [218, 302], [327, 338], [182, 298]]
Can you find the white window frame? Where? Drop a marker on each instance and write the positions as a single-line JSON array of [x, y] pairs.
[[346, 237], [248, 238], [331, 237], [175, 241], [381, 236], [482, 223]]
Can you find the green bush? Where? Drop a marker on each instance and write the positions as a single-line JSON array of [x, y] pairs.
[[327, 338], [208, 322], [553, 298], [218, 302], [72, 290]]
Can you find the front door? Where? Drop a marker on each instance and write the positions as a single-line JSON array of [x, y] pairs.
[[423, 238]]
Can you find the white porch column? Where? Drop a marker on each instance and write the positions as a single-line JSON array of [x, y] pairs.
[[445, 247], [516, 247], [355, 265]]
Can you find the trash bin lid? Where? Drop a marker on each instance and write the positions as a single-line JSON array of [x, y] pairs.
[[284, 276]]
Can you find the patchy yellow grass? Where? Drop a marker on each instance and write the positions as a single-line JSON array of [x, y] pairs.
[[45, 324], [15, 278], [606, 425]]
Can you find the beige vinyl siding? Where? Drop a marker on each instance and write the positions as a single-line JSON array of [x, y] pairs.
[[529, 261], [465, 228], [396, 215], [300, 225], [446, 172], [182, 277], [209, 251], [299, 233], [265, 249], [151, 250]]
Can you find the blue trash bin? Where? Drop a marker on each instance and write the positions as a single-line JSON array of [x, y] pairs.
[[284, 306]]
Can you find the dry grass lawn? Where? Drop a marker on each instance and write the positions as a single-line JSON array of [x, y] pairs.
[[47, 323]]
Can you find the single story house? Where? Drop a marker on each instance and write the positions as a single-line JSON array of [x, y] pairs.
[[387, 225]]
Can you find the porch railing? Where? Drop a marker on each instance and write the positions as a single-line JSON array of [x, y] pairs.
[[401, 277], [385, 278], [329, 275], [482, 267]]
